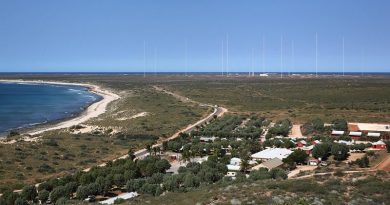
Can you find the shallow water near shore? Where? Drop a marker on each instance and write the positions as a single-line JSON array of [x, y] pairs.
[[24, 105]]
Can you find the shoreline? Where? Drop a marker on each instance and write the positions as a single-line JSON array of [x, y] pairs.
[[94, 110]]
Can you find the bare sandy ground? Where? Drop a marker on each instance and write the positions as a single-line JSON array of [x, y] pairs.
[[296, 132], [92, 111], [354, 156], [385, 164], [299, 169], [141, 114]]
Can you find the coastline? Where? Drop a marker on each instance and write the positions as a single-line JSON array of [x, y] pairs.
[[94, 110]]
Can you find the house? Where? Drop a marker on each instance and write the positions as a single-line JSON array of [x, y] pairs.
[[270, 164], [379, 145], [337, 133], [301, 143], [234, 168], [271, 153], [355, 135], [307, 149], [235, 164], [235, 161], [313, 162]]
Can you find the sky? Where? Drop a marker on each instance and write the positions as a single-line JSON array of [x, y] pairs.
[[183, 35]]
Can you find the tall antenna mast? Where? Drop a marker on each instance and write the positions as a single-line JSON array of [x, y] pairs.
[[293, 56], [223, 60], [253, 64], [186, 57], [144, 58], [281, 56], [343, 57], [316, 55], [363, 60], [155, 61], [262, 54], [227, 55]]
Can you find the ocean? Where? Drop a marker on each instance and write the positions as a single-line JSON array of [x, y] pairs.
[[24, 105]]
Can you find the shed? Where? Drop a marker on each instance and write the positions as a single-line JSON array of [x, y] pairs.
[[271, 153], [270, 164], [379, 145], [373, 134], [336, 132]]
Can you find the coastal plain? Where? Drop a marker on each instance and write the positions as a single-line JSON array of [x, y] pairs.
[[143, 114]]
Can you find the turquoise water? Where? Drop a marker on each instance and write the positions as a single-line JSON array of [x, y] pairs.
[[25, 105]]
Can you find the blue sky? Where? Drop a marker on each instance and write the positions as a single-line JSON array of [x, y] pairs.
[[99, 36]]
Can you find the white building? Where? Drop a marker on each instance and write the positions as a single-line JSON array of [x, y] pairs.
[[271, 153], [355, 134], [373, 134], [336, 132]]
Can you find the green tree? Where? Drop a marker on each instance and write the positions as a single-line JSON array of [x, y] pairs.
[[20, 201], [244, 156], [58, 192], [61, 201], [388, 146], [82, 192], [9, 197], [149, 148], [190, 180], [260, 174], [298, 156], [43, 196], [318, 125], [29, 193], [277, 173], [165, 146], [339, 151], [321, 150], [340, 124], [130, 154]]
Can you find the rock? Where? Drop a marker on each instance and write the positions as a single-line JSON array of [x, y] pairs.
[[235, 202], [277, 200]]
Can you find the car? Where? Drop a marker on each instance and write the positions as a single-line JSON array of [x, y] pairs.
[[324, 163], [90, 198]]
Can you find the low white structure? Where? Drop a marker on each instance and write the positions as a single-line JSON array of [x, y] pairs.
[[344, 142], [373, 134], [271, 153], [336, 132], [307, 148], [231, 174], [207, 139], [235, 164], [235, 161], [124, 196], [357, 134], [235, 168]]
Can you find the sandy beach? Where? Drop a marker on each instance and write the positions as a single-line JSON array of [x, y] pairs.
[[92, 111]]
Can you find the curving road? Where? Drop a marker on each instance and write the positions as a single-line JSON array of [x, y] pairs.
[[218, 111]]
